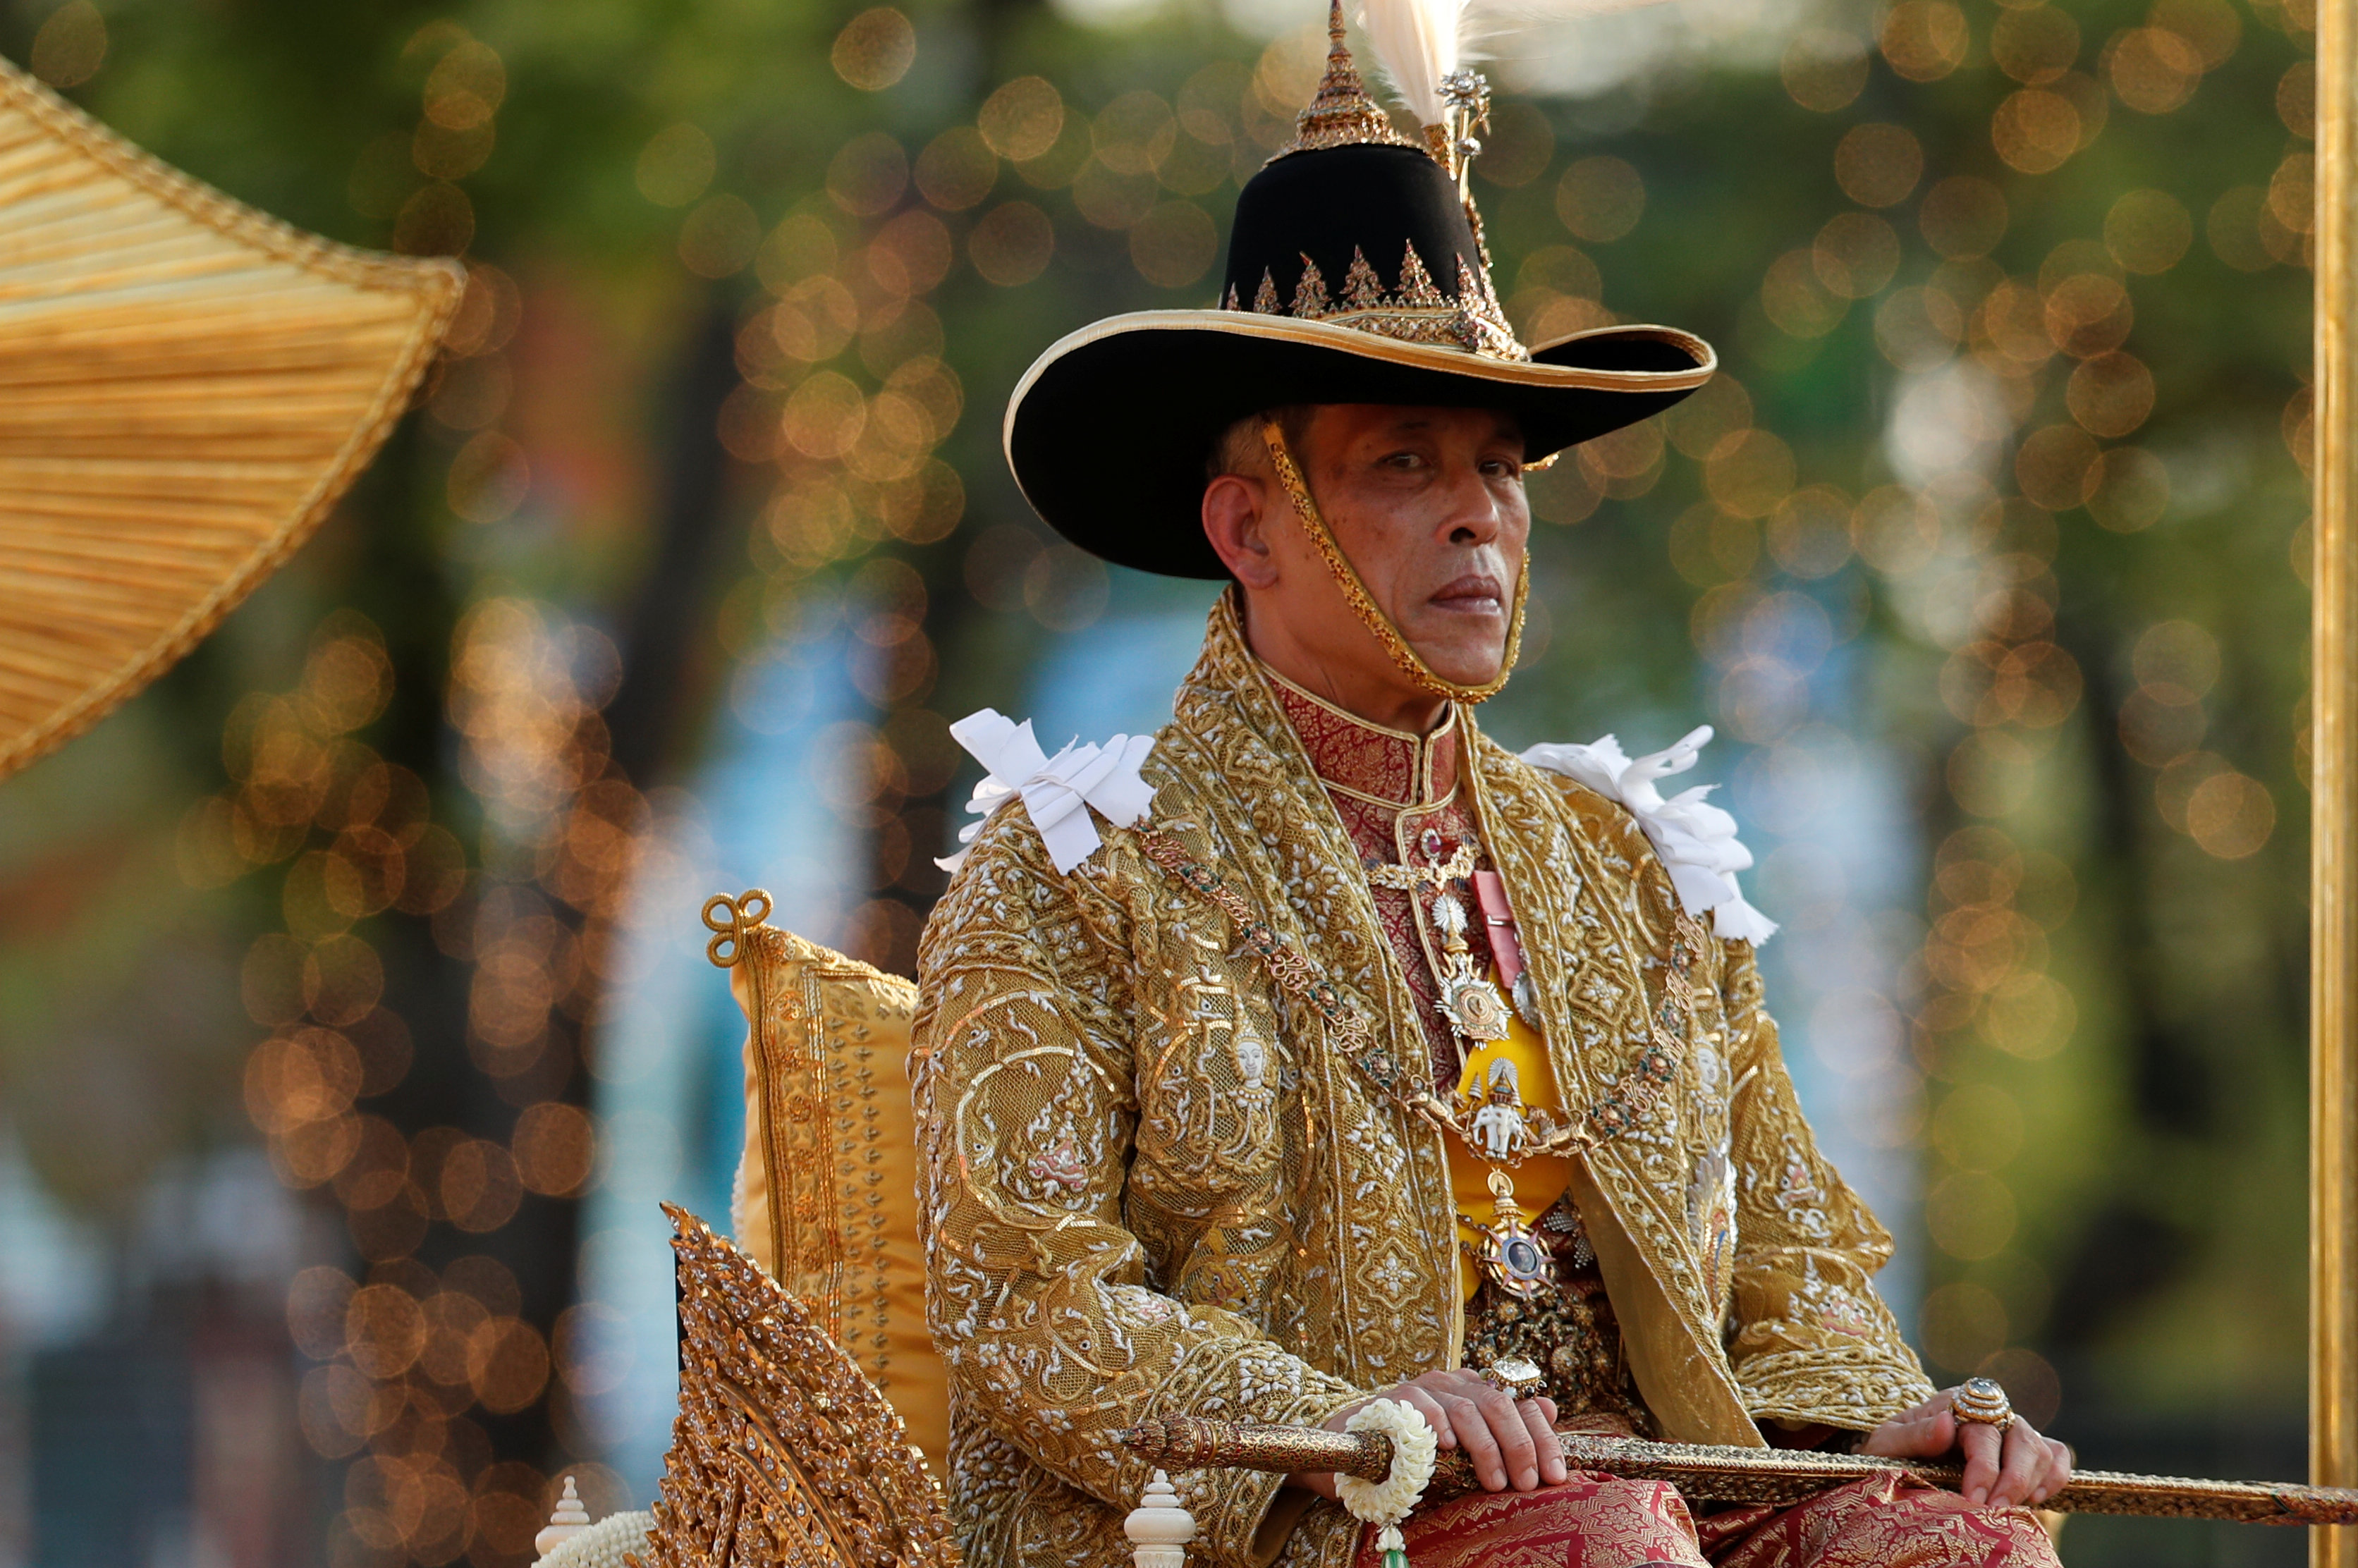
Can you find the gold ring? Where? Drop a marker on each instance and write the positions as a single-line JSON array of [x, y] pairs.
[[1514, 1377], [1982, 1401]]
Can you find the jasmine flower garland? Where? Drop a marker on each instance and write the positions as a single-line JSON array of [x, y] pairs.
[[1387, 1502]]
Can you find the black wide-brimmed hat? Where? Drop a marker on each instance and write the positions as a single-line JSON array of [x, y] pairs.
[[1357, 273]]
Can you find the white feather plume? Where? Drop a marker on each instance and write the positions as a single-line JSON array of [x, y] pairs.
[[1418, 42]]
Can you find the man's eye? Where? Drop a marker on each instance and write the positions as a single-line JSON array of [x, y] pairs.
[[1404, 460]]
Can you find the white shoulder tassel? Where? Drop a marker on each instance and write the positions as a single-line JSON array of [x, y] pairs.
[[1696, 841], [1058, 791]]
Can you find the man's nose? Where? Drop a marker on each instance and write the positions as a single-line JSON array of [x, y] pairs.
[[1474, 515]]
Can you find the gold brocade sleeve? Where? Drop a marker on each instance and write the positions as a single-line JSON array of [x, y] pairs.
[[1812, 1340], [1048, 1307]]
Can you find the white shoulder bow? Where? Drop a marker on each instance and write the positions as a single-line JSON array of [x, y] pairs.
[[1696, 841], [1057, 790]]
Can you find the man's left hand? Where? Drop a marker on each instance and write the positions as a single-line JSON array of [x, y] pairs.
[[2016, 1468]]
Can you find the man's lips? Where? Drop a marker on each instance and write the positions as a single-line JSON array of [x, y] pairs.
[[1471, 593]]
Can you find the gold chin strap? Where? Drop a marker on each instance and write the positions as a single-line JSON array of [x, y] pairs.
[[1354, 592]]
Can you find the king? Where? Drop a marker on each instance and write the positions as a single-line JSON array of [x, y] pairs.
[[1321, 1051]]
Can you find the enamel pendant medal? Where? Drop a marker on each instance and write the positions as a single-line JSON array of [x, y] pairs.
[[1470, 1002], [1512, 1255]]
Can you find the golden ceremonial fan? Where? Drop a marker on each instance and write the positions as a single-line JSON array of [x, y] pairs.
[[187, 386]]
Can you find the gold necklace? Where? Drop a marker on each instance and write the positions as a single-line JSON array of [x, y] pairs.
[[1363, 605]]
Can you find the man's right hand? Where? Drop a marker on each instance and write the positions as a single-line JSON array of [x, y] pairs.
[[1510, 1442]]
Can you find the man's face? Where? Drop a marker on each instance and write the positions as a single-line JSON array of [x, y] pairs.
[[1428, 505]]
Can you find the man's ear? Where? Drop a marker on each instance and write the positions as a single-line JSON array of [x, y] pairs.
[[1234, 507]]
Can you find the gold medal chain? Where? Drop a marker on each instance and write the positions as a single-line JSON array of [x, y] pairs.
[[1619, 1111], [1408, 879]]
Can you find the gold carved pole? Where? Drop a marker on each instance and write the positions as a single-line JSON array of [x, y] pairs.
[[1709, 1474], [2333, 843]]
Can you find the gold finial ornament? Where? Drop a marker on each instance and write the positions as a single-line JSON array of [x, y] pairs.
[[730, 920], [1468, 94], [1342, 115]]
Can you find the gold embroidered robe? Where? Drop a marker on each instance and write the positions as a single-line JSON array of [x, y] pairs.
[[1151, 1185]]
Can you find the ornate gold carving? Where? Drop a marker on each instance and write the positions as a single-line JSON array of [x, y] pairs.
[[1196, 1442], [1783, 1475], [1417, 312], [784, 1454]]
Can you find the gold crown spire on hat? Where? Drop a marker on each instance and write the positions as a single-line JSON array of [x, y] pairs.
[[1342, 115]]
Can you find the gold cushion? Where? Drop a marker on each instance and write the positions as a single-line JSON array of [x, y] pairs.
[[828, 1192]]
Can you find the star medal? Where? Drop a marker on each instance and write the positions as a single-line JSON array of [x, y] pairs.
[[1527, 999], [1470, 1002], [1512, 1255]]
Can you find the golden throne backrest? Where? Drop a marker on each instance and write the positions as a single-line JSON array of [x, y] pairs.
[[783, 1453], [827, 1187]]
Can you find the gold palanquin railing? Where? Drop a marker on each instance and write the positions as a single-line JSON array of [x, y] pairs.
[[2333, 843]]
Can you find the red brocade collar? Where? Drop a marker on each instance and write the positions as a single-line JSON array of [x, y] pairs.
[[1388, 767]]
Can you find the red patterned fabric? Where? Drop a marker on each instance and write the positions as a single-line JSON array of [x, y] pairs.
[[1598, 1521], [1590, 1522], [1885, 1521]]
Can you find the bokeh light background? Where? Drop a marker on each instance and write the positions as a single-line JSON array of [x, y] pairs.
[[353, 1011]]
